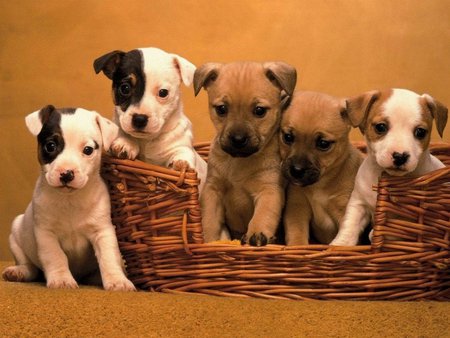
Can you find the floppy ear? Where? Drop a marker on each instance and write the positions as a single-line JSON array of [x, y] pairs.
[[35, 120], [438, 111], [358, 108], [281, 75], [108, 129], [108, 63], [205, 74], [185, 68]]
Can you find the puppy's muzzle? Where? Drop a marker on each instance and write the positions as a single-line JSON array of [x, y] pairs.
[[139, 121], [301, 172], [239, 144], [400, 159]]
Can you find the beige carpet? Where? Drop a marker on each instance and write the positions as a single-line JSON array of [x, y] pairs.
[[33, 310]]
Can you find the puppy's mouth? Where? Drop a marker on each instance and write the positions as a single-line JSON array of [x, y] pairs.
[[396, 171], [240, 152]]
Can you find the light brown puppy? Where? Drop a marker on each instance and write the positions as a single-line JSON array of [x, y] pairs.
[[244, 186], [320, 164]]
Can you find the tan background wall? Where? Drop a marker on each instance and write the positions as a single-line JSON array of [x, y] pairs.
[[342, 47]]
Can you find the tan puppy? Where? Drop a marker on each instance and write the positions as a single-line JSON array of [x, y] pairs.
[[244, 186], [320, 164]]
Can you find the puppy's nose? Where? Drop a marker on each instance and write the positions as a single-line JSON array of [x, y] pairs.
[[400, 158], [297, 171], [66, 176], [239, 141], [139, 121]]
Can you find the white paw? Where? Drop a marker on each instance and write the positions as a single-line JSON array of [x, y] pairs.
[[124, 148], [118, 284], [66, 282], [343, 242]]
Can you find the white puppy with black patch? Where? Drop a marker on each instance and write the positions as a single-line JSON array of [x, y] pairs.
[[66, 231], [148, 107], [397, 126]]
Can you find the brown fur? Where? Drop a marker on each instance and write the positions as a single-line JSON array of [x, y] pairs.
[[320, 204], [244, 187]]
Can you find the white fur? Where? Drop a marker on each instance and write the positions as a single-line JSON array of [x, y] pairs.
[[404, 114], [168, 135], [65, 231]]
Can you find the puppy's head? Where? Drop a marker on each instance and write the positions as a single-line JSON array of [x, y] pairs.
[[313, 137], [146, 87], [397, 126], [70, 142], [245, 101]]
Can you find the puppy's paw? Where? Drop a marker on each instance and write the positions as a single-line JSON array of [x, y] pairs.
[[118, 284], [257, 239], [20, 273], [62, 283], [13, 274], [124, 148], [179, 165]]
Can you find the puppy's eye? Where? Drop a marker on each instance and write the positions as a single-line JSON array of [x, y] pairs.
[[323, 145], [50, 147], [163, 93], [125, 89], [288, 138], [221, 110], [381, 128], [259, 111], [420, 133], [88, 150]]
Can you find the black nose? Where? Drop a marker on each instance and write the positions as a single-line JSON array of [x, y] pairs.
[[400, 159], [239, 141], [66, 176], [139, 121], [297, 171]]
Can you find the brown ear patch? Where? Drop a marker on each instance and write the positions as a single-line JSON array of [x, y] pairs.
[[437, 110]]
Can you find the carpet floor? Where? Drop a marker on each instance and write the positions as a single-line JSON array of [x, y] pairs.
[[30, 309]]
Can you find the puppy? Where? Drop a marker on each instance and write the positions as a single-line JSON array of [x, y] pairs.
[[397, 126], [320, 164], [148, 108], [68, 223], [244, 187]]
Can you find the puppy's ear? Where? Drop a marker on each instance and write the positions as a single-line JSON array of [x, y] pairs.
[[108, 129], [281, 75], [185, 68], [437, 110], [358, 108], [35, 120], [108, 63], [205, 74]]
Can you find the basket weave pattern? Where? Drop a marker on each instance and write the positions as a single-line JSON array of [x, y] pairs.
[[158, 225]]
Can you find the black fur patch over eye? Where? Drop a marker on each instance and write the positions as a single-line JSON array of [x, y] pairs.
[[50, 139], [129, 80]]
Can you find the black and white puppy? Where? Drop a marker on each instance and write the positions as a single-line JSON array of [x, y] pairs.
[[66, 231], [148, 107]]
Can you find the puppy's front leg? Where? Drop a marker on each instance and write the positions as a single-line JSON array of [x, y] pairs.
[[297, 216], [353, 223], [107, 252], [54, 261], [124, 147], [213, 214], [266, 217]]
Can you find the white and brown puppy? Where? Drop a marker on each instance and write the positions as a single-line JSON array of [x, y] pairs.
[[244, 188], [66, 231], [397, 126], [148, 107], [320, 164]]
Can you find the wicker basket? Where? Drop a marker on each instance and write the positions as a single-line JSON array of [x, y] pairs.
[[158, 224]]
